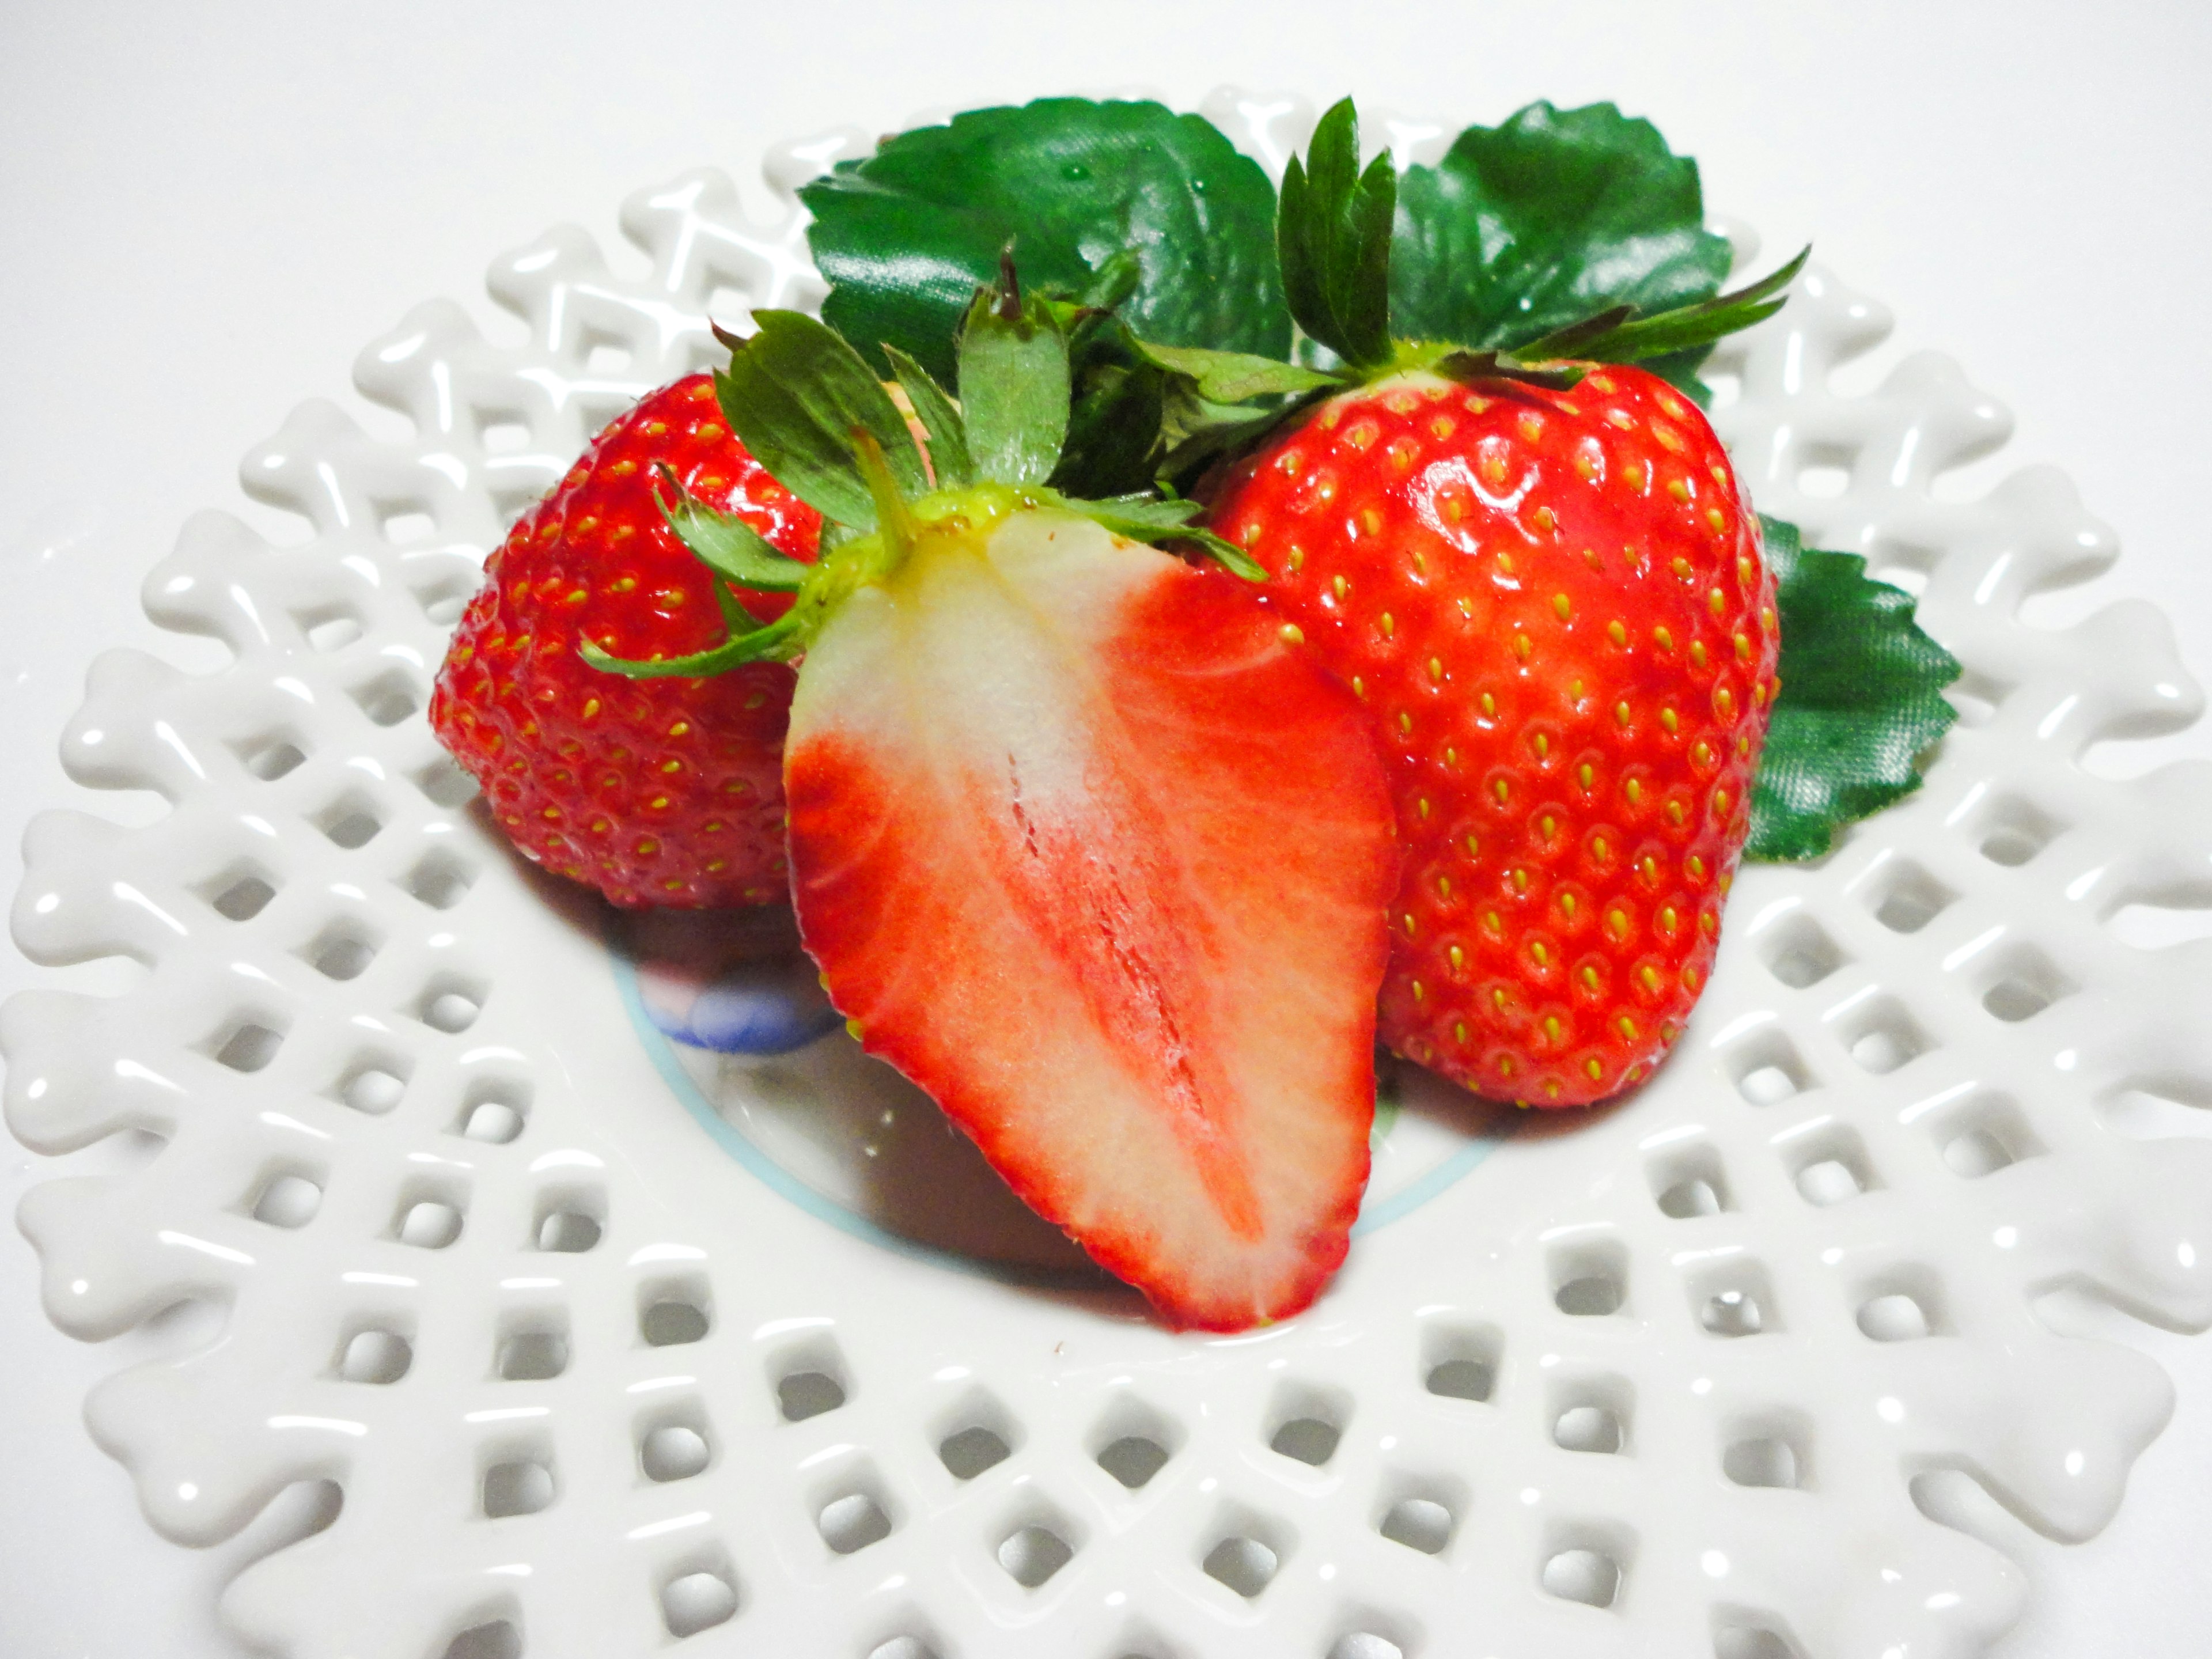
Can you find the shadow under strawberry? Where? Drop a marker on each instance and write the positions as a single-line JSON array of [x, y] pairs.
[[774, 1060]]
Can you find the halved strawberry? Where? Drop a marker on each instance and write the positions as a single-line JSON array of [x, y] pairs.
[[1080, 844], [1085, 852]]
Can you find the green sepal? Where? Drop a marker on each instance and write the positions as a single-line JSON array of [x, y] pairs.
[[1195, 433], [1861, 699], [1224, 552], [1212, 402], [777, 641], [1013, 382], [1333, 227], [1568, 342], [1114, 283], [1236, 377], [1119, 204], [724, 543], [1620, 336], [1156, 522], [948, 434], [1161, 512], [1114, 426], [796, 394], [1469, 366]]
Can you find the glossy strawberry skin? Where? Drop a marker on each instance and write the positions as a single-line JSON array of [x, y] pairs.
[[1116, 904], [1556, 607], [656, 791]]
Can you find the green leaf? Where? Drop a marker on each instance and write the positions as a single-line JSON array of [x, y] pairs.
[[939, 417], [905, 236], [1524, 228], [1014, 384], [1861, 699], [724, 543], [795, 394], [1332, 238]]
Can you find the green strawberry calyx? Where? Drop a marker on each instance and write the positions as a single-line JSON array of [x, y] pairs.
[[1334, 227], [1332, 231], [808, 406]]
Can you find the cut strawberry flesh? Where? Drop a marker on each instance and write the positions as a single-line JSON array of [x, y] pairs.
[[1092, 858]]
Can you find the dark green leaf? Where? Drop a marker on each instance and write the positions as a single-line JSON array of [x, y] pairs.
[[1526, 228], [1013, 385], [725, 543], [795, 394], [1861, 699], [1332, 238], [948, 433], [906, 236]]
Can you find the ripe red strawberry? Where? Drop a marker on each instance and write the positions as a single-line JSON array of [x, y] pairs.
[[657, 792], [1555, 603], [1050, 787], [1537, 569]]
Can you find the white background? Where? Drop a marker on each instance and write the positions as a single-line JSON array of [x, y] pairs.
[[204, 211]]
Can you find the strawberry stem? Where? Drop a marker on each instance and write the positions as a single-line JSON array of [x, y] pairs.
[[894, 518]]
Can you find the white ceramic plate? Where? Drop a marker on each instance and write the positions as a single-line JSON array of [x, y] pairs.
[[612, 1346]]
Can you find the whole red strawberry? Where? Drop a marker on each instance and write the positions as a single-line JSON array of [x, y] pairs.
[[1536, 569], [1555, 603], [660, 791]]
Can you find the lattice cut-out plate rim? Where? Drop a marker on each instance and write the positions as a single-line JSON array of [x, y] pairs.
[[1607, 1394]]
